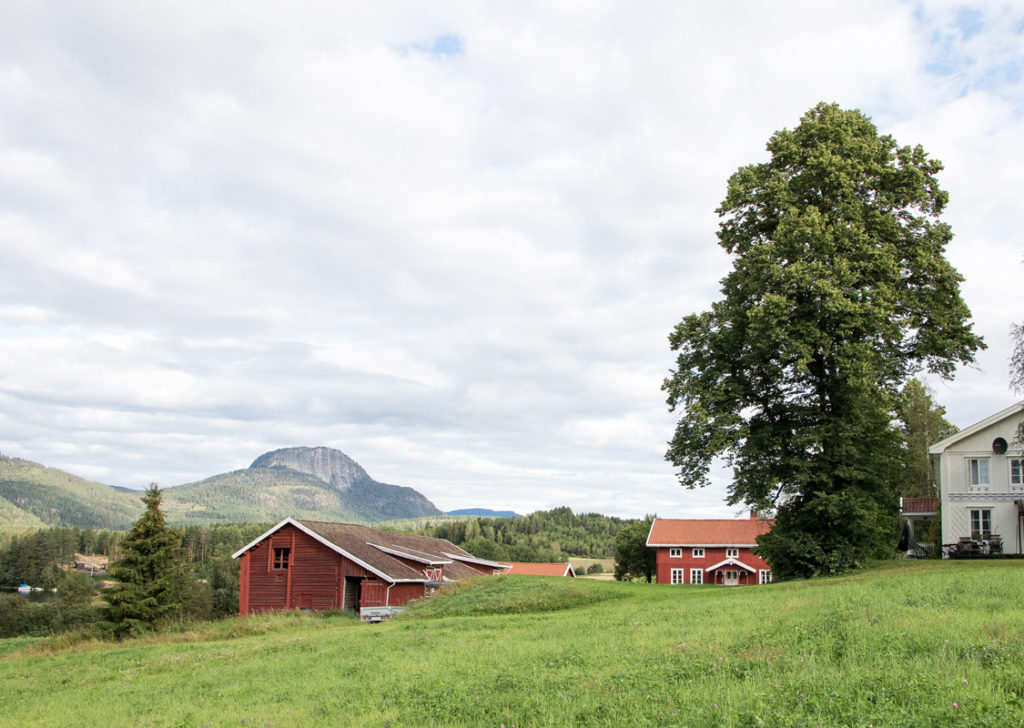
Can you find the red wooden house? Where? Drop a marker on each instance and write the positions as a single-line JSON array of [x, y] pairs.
[[712, 551], [315, 565]]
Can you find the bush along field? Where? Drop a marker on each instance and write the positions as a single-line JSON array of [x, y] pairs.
[[902, 644]]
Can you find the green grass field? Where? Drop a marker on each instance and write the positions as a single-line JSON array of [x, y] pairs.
[[903, 644]]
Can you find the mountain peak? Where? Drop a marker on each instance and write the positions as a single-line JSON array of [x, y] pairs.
[[330, 465]]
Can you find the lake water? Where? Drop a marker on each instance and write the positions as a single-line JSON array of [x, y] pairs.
[[37, 596]]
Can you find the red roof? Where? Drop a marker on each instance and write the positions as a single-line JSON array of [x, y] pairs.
[[706, 532], [519, 567], [919, 505]]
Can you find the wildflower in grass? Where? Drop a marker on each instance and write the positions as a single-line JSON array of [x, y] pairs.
[[955, 705]]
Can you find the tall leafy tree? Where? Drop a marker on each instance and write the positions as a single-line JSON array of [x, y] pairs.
[[839, 291], [922, 423], [1017, 369], [633, 560], [153, 585]]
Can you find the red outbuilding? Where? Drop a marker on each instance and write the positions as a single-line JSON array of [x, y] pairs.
[[709, 551], [541, 569], [315, 565]]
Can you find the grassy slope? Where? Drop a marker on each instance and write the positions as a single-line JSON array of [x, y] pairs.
[[908, 645]]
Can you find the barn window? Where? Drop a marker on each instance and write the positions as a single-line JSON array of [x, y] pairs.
[[696, 576], [677, 576], [732, 553], [281, 558], [698, 553], [766, 576], [675, 553]]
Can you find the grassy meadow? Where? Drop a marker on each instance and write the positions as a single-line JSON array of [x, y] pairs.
[[901, 644]]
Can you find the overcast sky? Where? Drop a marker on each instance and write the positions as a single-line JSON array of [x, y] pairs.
[[449, 239]]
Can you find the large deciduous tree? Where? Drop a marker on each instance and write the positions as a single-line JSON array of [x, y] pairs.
[[839, 291], [633, 559], [153, 585]]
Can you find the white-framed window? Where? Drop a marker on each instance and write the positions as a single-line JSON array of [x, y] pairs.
[[732, 553], [696, 576], [1017, 471], [698, 553], [981, 522], [676, 576], [764, 576], [676, 553], [977, 471]]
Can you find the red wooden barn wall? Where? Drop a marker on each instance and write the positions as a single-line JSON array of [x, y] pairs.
[[314, 579]]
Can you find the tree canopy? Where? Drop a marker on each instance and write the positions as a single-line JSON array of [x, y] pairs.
[[839, 291], [921, 423]]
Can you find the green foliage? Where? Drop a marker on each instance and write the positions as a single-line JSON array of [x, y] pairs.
[[914, 645], [153, 585], [543, 536], [922, 423], [633, 560], [595, 569], [839, 292], [1017, 370]]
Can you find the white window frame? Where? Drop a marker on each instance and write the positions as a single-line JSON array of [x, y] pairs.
[[677, 576], [696, 576], [978, 472], [732, 553], [978, 518], [764, 576], [675, 553], [1016, 466], [698, 553]]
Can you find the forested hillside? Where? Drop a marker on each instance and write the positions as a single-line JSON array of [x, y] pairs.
[[551, 535]]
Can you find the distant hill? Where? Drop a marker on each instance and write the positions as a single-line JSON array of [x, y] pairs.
[[33, 495], [484, 513], [317, 483]]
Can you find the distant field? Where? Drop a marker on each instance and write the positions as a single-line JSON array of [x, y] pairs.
[[905, 644]]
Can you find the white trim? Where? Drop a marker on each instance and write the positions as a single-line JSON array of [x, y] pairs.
[[939, 447], [704, 545], [731, 562], [393, 551], [475, 560]]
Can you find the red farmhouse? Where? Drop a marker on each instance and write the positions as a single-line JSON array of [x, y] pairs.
[[709, 551], [316, 565]]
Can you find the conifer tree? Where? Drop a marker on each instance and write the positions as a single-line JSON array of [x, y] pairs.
[[153, 585]]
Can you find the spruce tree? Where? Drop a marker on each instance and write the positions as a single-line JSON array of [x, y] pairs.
[[152, 583]]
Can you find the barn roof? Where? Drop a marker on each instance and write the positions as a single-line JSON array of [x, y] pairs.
[[558, 569], [380, 551], [707, 532]]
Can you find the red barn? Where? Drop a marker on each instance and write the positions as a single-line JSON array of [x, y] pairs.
[[719, 551], [315, 565]]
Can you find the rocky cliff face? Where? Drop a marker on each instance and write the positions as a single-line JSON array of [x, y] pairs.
[[330, 465], [357, 491]]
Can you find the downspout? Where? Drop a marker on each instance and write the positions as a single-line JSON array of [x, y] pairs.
[[387, 595]]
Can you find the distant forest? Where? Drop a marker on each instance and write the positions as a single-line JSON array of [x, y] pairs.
[[554, 535]]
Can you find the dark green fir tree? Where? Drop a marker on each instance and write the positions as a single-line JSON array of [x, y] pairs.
[[153, 585]]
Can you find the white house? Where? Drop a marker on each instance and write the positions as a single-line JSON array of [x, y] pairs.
[[980, 474]]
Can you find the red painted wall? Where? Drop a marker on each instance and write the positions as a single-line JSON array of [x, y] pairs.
[[314, 579], [711, 556]]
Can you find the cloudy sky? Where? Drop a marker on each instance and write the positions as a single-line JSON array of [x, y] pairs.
[[449, 239]]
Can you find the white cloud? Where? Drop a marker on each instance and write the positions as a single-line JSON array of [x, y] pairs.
[[227, 229]]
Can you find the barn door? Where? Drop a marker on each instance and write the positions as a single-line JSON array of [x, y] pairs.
[[351, 598]]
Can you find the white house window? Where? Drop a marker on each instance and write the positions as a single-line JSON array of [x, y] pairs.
[[764, 576], [696, 576], [675, 554], [1016, 471], [677, 576], [977, 469], [732, 553], [981, 522], [698, 553]]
